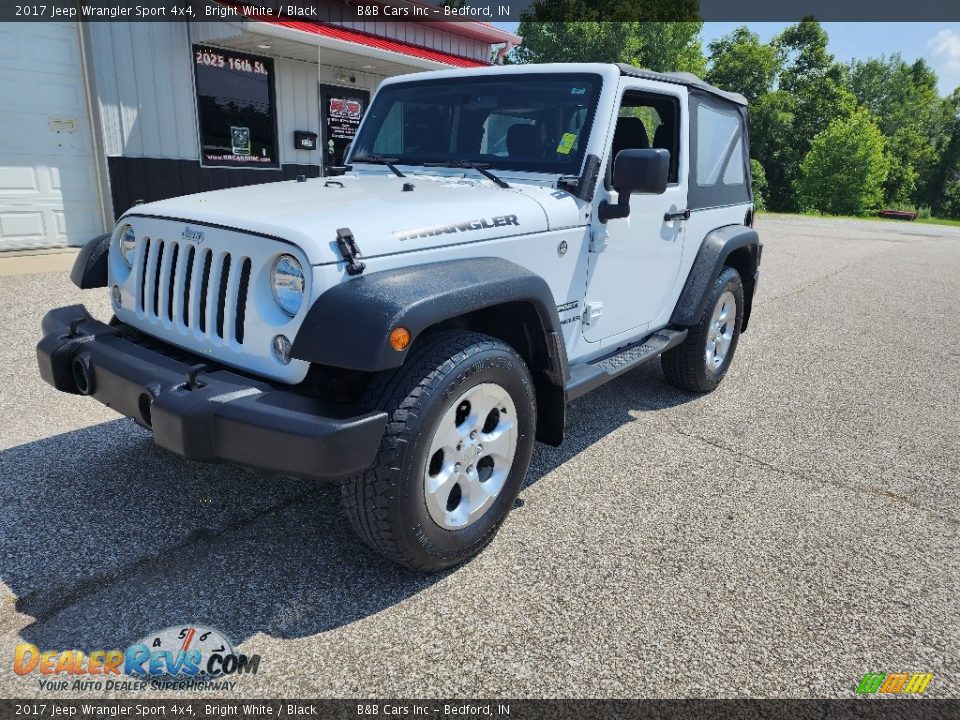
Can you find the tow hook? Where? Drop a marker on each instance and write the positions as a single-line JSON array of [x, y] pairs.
[[73, 330], [192, 377]]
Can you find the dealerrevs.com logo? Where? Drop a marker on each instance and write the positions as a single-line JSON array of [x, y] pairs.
[[178, 658]]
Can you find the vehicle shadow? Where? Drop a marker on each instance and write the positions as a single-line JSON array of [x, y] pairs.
[[107, 538], [609, 407]]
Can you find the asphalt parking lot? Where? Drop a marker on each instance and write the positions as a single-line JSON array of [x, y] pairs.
[[779, 537]]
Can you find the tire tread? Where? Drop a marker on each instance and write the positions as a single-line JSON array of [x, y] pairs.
[[366, 498], [684, 366]]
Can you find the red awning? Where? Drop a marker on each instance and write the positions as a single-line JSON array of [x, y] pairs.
[[374, 41]]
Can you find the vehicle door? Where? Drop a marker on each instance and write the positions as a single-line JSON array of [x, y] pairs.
[[634, 261]]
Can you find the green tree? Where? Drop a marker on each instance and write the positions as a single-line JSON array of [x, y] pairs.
[[944, 188], [898, 94], [771, 135], [639, 32], [759, 184], [739, 62], [944, 162], [656, 46], [844, 172], [811, 94], [903, 98], [949, 204]]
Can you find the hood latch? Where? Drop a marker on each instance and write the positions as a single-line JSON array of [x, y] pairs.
[[349, 251]]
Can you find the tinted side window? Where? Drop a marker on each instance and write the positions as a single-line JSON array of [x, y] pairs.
[[734, 174], [717, 132], [720, 166]]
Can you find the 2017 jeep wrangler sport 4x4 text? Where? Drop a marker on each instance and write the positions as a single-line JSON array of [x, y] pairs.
[[500, 242]]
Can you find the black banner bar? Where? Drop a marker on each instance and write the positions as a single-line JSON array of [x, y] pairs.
[[481, 10], [877, 709]]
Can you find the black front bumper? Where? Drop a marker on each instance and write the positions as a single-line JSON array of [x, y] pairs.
[[218, 416]]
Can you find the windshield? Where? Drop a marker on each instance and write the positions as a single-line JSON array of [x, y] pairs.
[[533, 122]]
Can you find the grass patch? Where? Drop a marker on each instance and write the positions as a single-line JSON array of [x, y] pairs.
[[938, 221], [924, 221]]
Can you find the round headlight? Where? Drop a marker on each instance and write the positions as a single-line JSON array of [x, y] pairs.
[[128, 244], [287, 282]]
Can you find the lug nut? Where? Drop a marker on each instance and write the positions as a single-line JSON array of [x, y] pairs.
[[473, 435], [469, 469], [457, 467]]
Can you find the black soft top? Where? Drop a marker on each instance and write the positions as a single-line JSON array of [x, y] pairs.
[[682, 78]]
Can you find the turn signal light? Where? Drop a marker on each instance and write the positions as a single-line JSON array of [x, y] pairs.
[[399, 338]]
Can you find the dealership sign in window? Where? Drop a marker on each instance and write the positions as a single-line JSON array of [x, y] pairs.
[[342, 119], [236, 109]]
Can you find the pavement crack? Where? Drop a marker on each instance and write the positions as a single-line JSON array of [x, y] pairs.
[[805, 286], [882, 493], [45, 603]]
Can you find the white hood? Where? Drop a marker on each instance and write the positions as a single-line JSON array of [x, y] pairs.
[[383, 217]]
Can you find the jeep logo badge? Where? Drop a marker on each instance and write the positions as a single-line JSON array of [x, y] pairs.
[[191, 235]]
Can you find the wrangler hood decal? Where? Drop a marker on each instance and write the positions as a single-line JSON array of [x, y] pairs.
[[383, 217], [498, 221]]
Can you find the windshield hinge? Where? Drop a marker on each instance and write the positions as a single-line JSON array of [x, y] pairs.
[[592, 312], [570, 183], [349, 251], [599, 239]]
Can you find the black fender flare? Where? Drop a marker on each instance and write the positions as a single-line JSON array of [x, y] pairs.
[[349, 325], [90, 267], [714, 253]]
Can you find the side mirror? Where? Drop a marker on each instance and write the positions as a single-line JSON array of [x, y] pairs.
[[636, 171]]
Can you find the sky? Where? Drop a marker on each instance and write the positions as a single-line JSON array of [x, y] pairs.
[[937, 43]]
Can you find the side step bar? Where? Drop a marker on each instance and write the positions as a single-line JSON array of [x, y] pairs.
[[585, 377]]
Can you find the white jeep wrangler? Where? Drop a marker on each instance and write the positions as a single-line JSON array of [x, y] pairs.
[[501, 242]]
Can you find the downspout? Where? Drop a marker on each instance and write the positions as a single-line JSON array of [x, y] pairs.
[[504, 50]]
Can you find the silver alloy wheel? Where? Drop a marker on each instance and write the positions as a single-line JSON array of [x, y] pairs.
[[720, 332], [470, 456]]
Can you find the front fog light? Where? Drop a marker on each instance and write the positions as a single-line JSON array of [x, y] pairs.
[[281, 349], [287, 282], [128, 244]]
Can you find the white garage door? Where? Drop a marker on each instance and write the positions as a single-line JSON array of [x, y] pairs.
[[48, 182]]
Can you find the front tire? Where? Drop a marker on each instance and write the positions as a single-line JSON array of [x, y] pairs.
[[700, 362], [457, 446]]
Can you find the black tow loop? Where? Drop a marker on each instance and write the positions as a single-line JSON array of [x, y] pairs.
[[192, 381], [74, 327]]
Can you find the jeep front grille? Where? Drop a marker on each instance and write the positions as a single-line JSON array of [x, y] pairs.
[[195, 288], [206, 289]]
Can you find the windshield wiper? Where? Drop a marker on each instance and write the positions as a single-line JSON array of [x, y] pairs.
[[479, 167], [379, 160]]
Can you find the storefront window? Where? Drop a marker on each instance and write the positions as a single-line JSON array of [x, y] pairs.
[[235, 109]]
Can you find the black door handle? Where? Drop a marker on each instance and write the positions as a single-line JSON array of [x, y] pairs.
[[682, 215]]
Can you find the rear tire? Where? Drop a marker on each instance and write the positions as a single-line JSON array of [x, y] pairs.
[[700, 362], [435, 495]]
